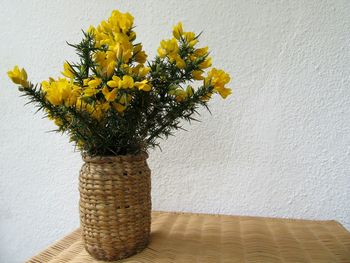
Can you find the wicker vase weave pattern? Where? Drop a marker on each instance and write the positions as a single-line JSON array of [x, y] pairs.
[[115, 205]]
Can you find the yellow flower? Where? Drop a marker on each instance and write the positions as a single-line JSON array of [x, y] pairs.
[[91, 30], [97, 114], [144, 71], [201, 52], [110, 68], [162, 52], [126, 69], [127, 82], [141, 57], [193, 43], [54, 97], [109, 95], [106, 62], [91, 91], [190, 38], [197, 74], [124, 21], [92, 88], [180, 63], [218, 79], [122, 50], [67, 70], [168, 47], [178, 31], [104, 106], [19, 76], [205, 64], [86, 81], [118, 107], [140, 70], [189, 91], [106, 26], [137, 48], [142, 85], [96, 111], [115, 82], [94, 83], [116, 34], [61, 91], [180, 95], [125, 99], [224, 92]]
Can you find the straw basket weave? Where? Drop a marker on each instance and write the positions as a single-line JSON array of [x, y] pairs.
[[115, 205]]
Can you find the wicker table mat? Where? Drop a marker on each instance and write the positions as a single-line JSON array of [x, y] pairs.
[[184, 237]]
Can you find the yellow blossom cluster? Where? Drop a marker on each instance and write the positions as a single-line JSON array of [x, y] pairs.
[[116, 34], [171, 49], [113, 40], [115, 71], [181, 94], [110, 102], [218, 79], [61, 91]]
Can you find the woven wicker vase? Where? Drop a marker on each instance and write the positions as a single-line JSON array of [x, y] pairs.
[[115, 205]]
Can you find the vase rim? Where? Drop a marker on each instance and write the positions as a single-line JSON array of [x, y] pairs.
[[114, 158]]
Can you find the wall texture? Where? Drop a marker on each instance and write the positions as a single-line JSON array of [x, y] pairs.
[[280, 146]]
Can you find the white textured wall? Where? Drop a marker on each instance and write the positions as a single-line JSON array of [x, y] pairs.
[[280, 146]]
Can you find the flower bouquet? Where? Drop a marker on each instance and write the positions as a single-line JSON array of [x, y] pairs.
[[115, 105]]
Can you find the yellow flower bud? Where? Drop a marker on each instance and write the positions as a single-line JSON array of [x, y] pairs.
[[189, 91], [178, 31], [67, 70], [137, 48], [193, 43], [19, 76], [189, 36]]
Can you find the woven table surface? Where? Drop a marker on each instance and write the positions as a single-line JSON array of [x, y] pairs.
[[201, 238]]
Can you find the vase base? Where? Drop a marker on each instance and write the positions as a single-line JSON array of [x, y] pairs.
[[116, 254]]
